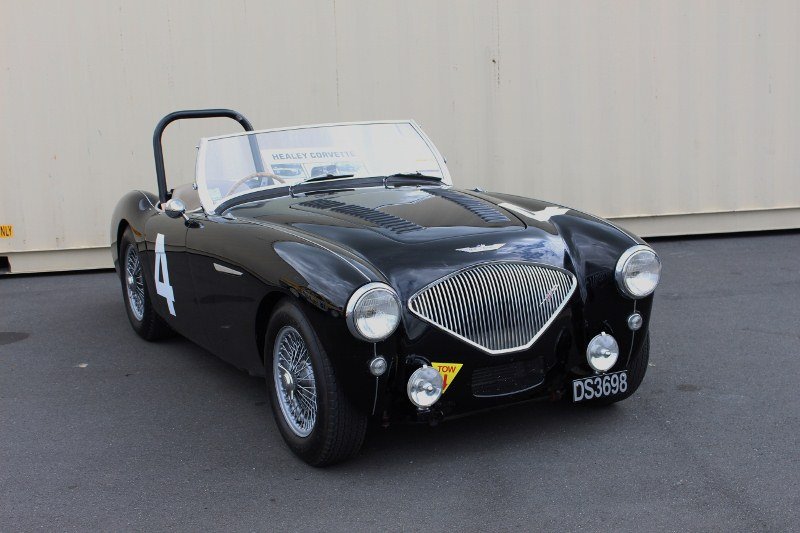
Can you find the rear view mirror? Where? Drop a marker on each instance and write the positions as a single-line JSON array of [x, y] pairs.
[[174, 208]]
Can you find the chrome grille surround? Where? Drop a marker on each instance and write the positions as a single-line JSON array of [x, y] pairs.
[[498, 307]]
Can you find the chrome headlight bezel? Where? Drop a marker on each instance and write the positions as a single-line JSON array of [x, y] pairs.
[[620, 272], [352, 309]]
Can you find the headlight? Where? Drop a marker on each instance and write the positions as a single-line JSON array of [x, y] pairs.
[[638, 271], [373, 312]]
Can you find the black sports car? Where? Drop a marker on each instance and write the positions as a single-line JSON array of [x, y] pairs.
[[338, 262]]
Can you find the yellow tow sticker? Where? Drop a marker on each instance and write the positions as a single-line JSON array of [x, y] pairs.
[[6, 232], [448, 372]]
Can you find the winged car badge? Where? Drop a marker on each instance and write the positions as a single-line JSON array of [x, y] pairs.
[[482, 248]]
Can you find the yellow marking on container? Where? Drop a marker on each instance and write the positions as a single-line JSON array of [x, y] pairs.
[[6, 232]]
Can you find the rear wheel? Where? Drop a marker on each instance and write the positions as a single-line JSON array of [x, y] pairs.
[[144, 319], [314, 417]]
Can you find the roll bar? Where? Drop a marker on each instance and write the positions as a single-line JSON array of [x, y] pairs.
[[158, 152]]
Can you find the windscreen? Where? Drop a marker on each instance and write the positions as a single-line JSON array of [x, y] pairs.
[[237, 164]]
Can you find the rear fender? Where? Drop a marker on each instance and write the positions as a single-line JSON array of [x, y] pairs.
[[133, 210]]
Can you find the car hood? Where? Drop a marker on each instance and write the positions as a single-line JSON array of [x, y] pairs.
[[412, 236]]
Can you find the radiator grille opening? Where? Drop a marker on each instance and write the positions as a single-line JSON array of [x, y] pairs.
[[497, 307]]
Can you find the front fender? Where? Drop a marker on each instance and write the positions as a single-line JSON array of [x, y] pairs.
[[324, 281]]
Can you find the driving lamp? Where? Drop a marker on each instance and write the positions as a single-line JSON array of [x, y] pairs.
[[602, 352], [424, 386], [638, 271], [373, 312]]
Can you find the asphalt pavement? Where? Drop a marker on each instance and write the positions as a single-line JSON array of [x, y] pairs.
[[100, 430]]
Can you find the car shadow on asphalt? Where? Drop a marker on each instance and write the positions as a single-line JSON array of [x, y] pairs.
[[531, 424]]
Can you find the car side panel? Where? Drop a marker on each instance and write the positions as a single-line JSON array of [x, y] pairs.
[[182, 315], [236, 265], [227, 292]]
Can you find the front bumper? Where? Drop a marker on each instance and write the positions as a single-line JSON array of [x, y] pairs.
[[484, 381]]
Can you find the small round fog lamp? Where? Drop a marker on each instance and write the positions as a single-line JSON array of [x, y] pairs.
[[635, 322], [424, 386], [378, 365], [602, 352]]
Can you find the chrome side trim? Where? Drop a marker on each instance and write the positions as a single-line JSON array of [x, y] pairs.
[[226, 270]]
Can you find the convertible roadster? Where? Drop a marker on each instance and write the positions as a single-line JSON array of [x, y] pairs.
[[338, 262]]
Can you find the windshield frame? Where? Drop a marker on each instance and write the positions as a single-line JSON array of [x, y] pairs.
[[210, 207]]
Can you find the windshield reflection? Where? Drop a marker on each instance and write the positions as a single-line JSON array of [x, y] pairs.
[[233, 165]]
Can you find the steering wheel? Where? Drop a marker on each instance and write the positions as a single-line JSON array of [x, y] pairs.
[[254, 175]]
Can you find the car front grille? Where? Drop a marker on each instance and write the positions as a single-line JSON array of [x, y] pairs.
[[497, 307]]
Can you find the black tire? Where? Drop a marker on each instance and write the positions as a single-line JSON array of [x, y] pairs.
[[148, 325], [338, 430], [637, 368]]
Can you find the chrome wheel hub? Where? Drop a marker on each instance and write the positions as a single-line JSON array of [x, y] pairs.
[[295, 384], [134, 282], [288, 383]]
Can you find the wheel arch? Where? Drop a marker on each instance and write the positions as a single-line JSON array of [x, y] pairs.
[[263, 314], [121, 227], [132, 211]]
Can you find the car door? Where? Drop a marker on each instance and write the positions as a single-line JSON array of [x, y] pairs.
[[172, 288], [228, 294]]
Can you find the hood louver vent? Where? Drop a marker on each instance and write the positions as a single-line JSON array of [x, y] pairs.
[[379, 218], [482, 209], [321, 204]]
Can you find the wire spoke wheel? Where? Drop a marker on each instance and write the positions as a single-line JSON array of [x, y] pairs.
[[295, 384], [134, 282]]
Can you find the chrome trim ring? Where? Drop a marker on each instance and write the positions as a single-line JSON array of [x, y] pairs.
[[619, 270], [134, 282], [295, 385], [353, 301]]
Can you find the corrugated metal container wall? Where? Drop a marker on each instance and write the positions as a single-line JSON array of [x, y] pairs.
[[670, 117]]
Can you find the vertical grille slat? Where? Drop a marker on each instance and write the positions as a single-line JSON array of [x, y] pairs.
[[520, 305], [461, 297], [497, 307]]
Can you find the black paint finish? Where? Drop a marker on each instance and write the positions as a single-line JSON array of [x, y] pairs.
[[319, 248]]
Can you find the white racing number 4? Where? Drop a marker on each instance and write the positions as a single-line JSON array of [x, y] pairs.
[[163, 288]]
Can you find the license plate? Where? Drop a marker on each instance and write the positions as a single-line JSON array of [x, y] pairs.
[[599, 386]]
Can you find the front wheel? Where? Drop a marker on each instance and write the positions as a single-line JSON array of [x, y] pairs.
[[313, 415]]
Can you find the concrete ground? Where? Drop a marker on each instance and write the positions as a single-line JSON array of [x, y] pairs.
[[101, 430]]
